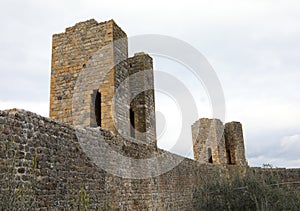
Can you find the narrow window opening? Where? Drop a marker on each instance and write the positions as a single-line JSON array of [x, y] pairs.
[[132, 126], [210, 160], [229, 161], [98, 108]]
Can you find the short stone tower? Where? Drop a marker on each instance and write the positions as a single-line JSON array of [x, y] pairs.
[[91, 83], [234, 143], [218, 144]]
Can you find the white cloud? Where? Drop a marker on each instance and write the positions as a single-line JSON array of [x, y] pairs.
[[290, 145], [282, 152], [264, 114]]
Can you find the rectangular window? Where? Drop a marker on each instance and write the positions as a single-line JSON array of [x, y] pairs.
[[132, 126], [98, 108], [210, 159]]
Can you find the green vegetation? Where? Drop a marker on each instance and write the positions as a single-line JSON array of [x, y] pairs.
[[252, 192], [80, 200]]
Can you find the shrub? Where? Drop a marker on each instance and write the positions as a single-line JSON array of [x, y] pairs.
[[252, 192]]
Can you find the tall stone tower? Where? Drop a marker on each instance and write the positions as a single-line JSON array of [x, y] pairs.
[[90, 83], [142, 106], [218, 144]]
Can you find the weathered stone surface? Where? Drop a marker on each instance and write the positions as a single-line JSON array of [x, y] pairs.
[[62, 167], [234, 144], [142, 105], [215, 143], [94, 83], [208, 141], [89, 81]]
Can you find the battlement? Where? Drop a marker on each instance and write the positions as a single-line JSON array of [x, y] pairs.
[[85, 25]]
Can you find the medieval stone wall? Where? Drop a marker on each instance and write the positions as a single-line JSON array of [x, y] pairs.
[[63, 167], [287, 177], [88, 147], [50, 158]]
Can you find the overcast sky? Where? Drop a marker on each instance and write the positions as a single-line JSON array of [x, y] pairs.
[[253, 45]]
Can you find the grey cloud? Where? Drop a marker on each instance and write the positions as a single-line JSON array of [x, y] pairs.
[[255, 54]]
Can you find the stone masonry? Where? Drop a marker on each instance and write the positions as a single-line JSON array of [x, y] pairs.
[[142, 106], [215, 143], [234, 144], [94, 83], [89, 81], [99, 94], [70, 53], [62, 168], [47, 157]]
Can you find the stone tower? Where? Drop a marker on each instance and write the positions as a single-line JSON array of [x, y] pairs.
[[90, 83], [234, 143], [218, 144], [142, 106]]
